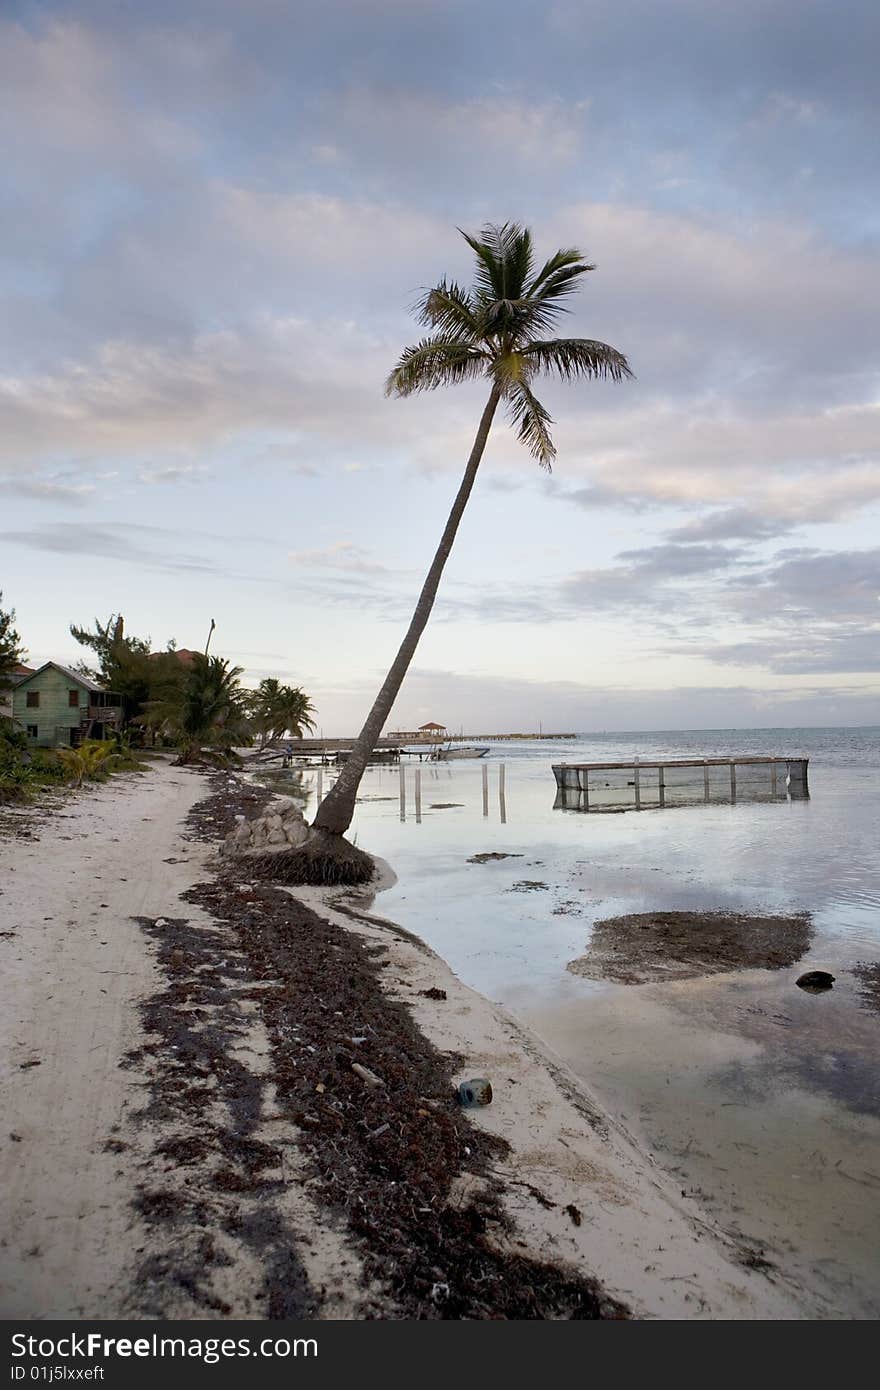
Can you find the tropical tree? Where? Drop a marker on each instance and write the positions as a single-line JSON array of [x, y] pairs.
[[278, 709], [203, 709], [499, 330], [12, 652], [121, 663]]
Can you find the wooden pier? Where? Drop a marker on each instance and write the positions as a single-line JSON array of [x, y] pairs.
[[644, 783], [389, 749]]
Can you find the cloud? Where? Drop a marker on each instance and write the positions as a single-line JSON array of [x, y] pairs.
[[659, 583], [804, 585], [732, 523], [123, 542], [341, 556], [855, 651], [804, 612], [49, 490]]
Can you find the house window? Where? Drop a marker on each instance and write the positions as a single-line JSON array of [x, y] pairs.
[[32, 731], [73, 699], [33, 699]]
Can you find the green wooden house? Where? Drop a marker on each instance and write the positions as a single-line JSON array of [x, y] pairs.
[[58, 708]]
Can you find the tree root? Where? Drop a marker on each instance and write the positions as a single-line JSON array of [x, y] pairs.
[[324, 860]]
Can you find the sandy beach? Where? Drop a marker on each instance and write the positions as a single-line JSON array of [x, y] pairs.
[[144, 1181]]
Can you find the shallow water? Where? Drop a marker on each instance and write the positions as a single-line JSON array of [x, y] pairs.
[[763, 1100]]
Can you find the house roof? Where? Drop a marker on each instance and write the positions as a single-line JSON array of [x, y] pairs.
[[85, 681], [432, 726], [184, 655]]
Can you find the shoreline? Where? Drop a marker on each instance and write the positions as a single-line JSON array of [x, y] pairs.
[[579, 1196]]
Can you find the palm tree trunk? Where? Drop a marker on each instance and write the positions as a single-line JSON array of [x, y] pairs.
[[337, 809]]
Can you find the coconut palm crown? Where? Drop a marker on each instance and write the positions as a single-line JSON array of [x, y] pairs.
[[499, 328]]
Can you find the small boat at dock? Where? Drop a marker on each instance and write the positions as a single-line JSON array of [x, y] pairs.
[[447, 752]]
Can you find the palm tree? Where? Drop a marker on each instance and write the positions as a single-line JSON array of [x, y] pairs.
[[496, 330], [205, 708], [281, 709]]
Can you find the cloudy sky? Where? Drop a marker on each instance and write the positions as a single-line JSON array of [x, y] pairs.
[[214, 218]]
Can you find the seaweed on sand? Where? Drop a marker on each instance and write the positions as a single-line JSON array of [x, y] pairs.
[[391, 1160]]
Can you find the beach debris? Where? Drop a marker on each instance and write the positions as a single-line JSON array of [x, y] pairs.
[[440, 1293], [815, 981], [477, 1091], [367, 1076], [433, 993], [528, 885], [445, 805], [574, 1212]]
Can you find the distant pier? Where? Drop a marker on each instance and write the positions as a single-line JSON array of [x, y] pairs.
[[388, 749], [641, 784]]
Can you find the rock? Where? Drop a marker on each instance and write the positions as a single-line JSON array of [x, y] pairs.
[[815, 981], [285, 805], [296, 832], [273, 822], [277, 837]]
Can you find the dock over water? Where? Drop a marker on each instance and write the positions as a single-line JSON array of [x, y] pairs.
[[388, 749], [642, 784]]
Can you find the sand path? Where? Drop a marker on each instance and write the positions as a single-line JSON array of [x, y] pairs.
[[72, 970]]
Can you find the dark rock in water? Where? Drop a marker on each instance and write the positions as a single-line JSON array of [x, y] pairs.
[[488, 858], [815, 981]]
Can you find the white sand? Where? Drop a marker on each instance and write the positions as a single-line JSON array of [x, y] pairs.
[[73, 973]]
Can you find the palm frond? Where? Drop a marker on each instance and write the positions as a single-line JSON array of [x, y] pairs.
[[504, 259], [447, 308], [515, 247], [488, 276], [519, 319], [578, 357], [437, 361], [532, 421], [561, 284], [564, 259]]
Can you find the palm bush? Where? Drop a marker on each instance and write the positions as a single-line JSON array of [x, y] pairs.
[[90, 760], [203, 708]]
